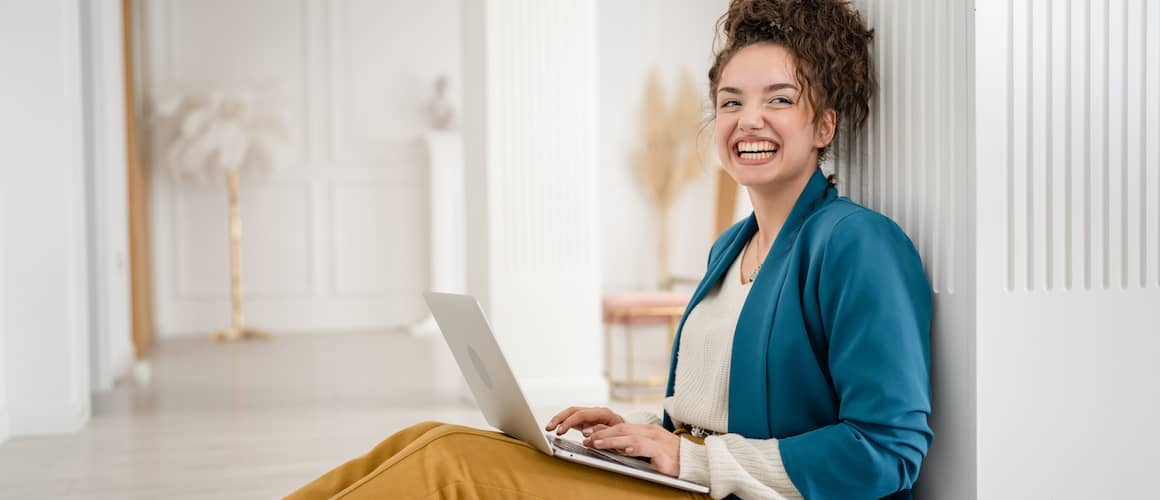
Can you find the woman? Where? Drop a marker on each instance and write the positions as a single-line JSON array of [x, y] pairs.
[[801, 367]]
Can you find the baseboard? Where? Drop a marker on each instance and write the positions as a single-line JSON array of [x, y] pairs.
[[5, 428], [34, 425]]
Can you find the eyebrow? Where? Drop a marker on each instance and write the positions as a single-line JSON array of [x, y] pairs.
[[768, 88]]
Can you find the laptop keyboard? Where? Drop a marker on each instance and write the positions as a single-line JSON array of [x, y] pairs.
[[579, 449]]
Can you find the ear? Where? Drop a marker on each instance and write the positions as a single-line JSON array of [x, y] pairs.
[[827, 125]]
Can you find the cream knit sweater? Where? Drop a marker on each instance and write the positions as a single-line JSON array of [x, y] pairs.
[[729, 463]]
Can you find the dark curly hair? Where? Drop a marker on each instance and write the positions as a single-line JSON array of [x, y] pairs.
[[827, 38]]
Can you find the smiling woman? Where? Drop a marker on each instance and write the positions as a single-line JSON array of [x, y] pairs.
[[801, 365]]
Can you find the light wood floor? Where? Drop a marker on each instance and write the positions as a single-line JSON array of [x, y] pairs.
[[237, 421]]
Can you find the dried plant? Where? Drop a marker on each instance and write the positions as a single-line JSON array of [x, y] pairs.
[[670, 156]]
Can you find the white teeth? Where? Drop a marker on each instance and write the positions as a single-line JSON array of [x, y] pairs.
[[755, 146], [755, 156]]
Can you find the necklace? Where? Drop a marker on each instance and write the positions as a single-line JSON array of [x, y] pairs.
[[753, 274]]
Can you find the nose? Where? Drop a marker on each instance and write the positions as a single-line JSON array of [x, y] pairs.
[[750, 119]]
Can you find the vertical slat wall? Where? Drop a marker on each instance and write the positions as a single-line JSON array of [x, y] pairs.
[[1068, 178], [913, 162], [1082, 173]]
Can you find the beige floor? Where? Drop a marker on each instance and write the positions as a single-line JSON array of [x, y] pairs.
[[237, 421]]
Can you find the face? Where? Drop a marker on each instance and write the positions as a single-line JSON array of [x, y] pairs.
[[765, 131]]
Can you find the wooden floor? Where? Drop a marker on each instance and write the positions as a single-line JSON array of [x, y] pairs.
[[236, 421]]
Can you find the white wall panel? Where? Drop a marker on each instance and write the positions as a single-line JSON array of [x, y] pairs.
[[385, 62], [256, 42], [46, 319], [371, 251], [277, 240], [355, 84], [1066, 220]]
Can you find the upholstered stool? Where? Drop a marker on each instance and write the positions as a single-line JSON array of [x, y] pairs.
[[632, 309]]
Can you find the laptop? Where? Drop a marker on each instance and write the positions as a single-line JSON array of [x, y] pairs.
[[499, 396]]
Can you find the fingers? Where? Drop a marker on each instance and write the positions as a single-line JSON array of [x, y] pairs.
[[560, 417], [595, 428], [620, 430], [581, 419], [652, 441], [633, 444]]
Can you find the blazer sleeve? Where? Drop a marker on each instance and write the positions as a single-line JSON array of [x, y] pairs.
[[875, 304]]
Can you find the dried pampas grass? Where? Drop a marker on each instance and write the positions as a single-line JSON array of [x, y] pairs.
[[671, 155]]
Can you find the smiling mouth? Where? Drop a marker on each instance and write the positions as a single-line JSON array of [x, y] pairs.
[[759, 150]]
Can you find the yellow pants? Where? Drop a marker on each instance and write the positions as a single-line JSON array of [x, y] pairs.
[[435, 460]]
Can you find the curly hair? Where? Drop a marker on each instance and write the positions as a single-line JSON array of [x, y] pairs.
[[827, 38]]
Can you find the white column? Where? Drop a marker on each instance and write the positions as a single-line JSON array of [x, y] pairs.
[[448, 218], [108, 232], [530, 145], [42, 188], [448, 214]]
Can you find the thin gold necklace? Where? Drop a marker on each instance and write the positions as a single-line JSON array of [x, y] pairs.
[[753, 274]]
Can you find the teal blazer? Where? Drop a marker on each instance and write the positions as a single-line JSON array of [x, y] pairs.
[[831, 353]]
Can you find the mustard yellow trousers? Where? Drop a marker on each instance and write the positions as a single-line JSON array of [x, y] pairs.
[[435, 460]]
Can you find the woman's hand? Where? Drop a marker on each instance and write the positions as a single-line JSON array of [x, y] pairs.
[[587, 420], [652, 441]]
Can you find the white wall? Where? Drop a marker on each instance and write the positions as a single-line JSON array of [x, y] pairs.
[[105, 153], [337, 239], [43, 196], [1068, 248], [634, 37]]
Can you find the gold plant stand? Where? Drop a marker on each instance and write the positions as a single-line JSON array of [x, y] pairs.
[[237, 327]]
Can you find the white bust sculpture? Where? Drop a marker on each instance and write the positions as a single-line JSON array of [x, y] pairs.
[[439, 109]]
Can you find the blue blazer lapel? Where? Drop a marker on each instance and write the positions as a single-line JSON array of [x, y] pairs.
[[749, 393], [748, 397]]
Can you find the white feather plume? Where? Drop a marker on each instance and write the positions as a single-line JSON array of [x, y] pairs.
[[213, 132]]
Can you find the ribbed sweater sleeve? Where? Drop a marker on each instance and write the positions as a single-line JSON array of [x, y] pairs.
[[731, 464]]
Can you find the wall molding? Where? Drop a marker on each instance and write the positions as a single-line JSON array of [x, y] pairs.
[[338, 265], [183, 290], [335, 150]]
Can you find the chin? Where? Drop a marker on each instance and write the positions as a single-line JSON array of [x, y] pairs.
[[750, 177]]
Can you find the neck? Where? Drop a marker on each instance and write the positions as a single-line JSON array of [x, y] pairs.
[[772, 205]]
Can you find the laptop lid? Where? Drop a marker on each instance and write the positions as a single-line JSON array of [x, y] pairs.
[[480, 360]]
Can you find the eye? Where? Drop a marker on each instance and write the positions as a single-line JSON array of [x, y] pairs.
[[780, 100], [729, 102]]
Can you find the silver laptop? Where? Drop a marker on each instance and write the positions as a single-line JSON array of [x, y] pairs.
[[502, 401]]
